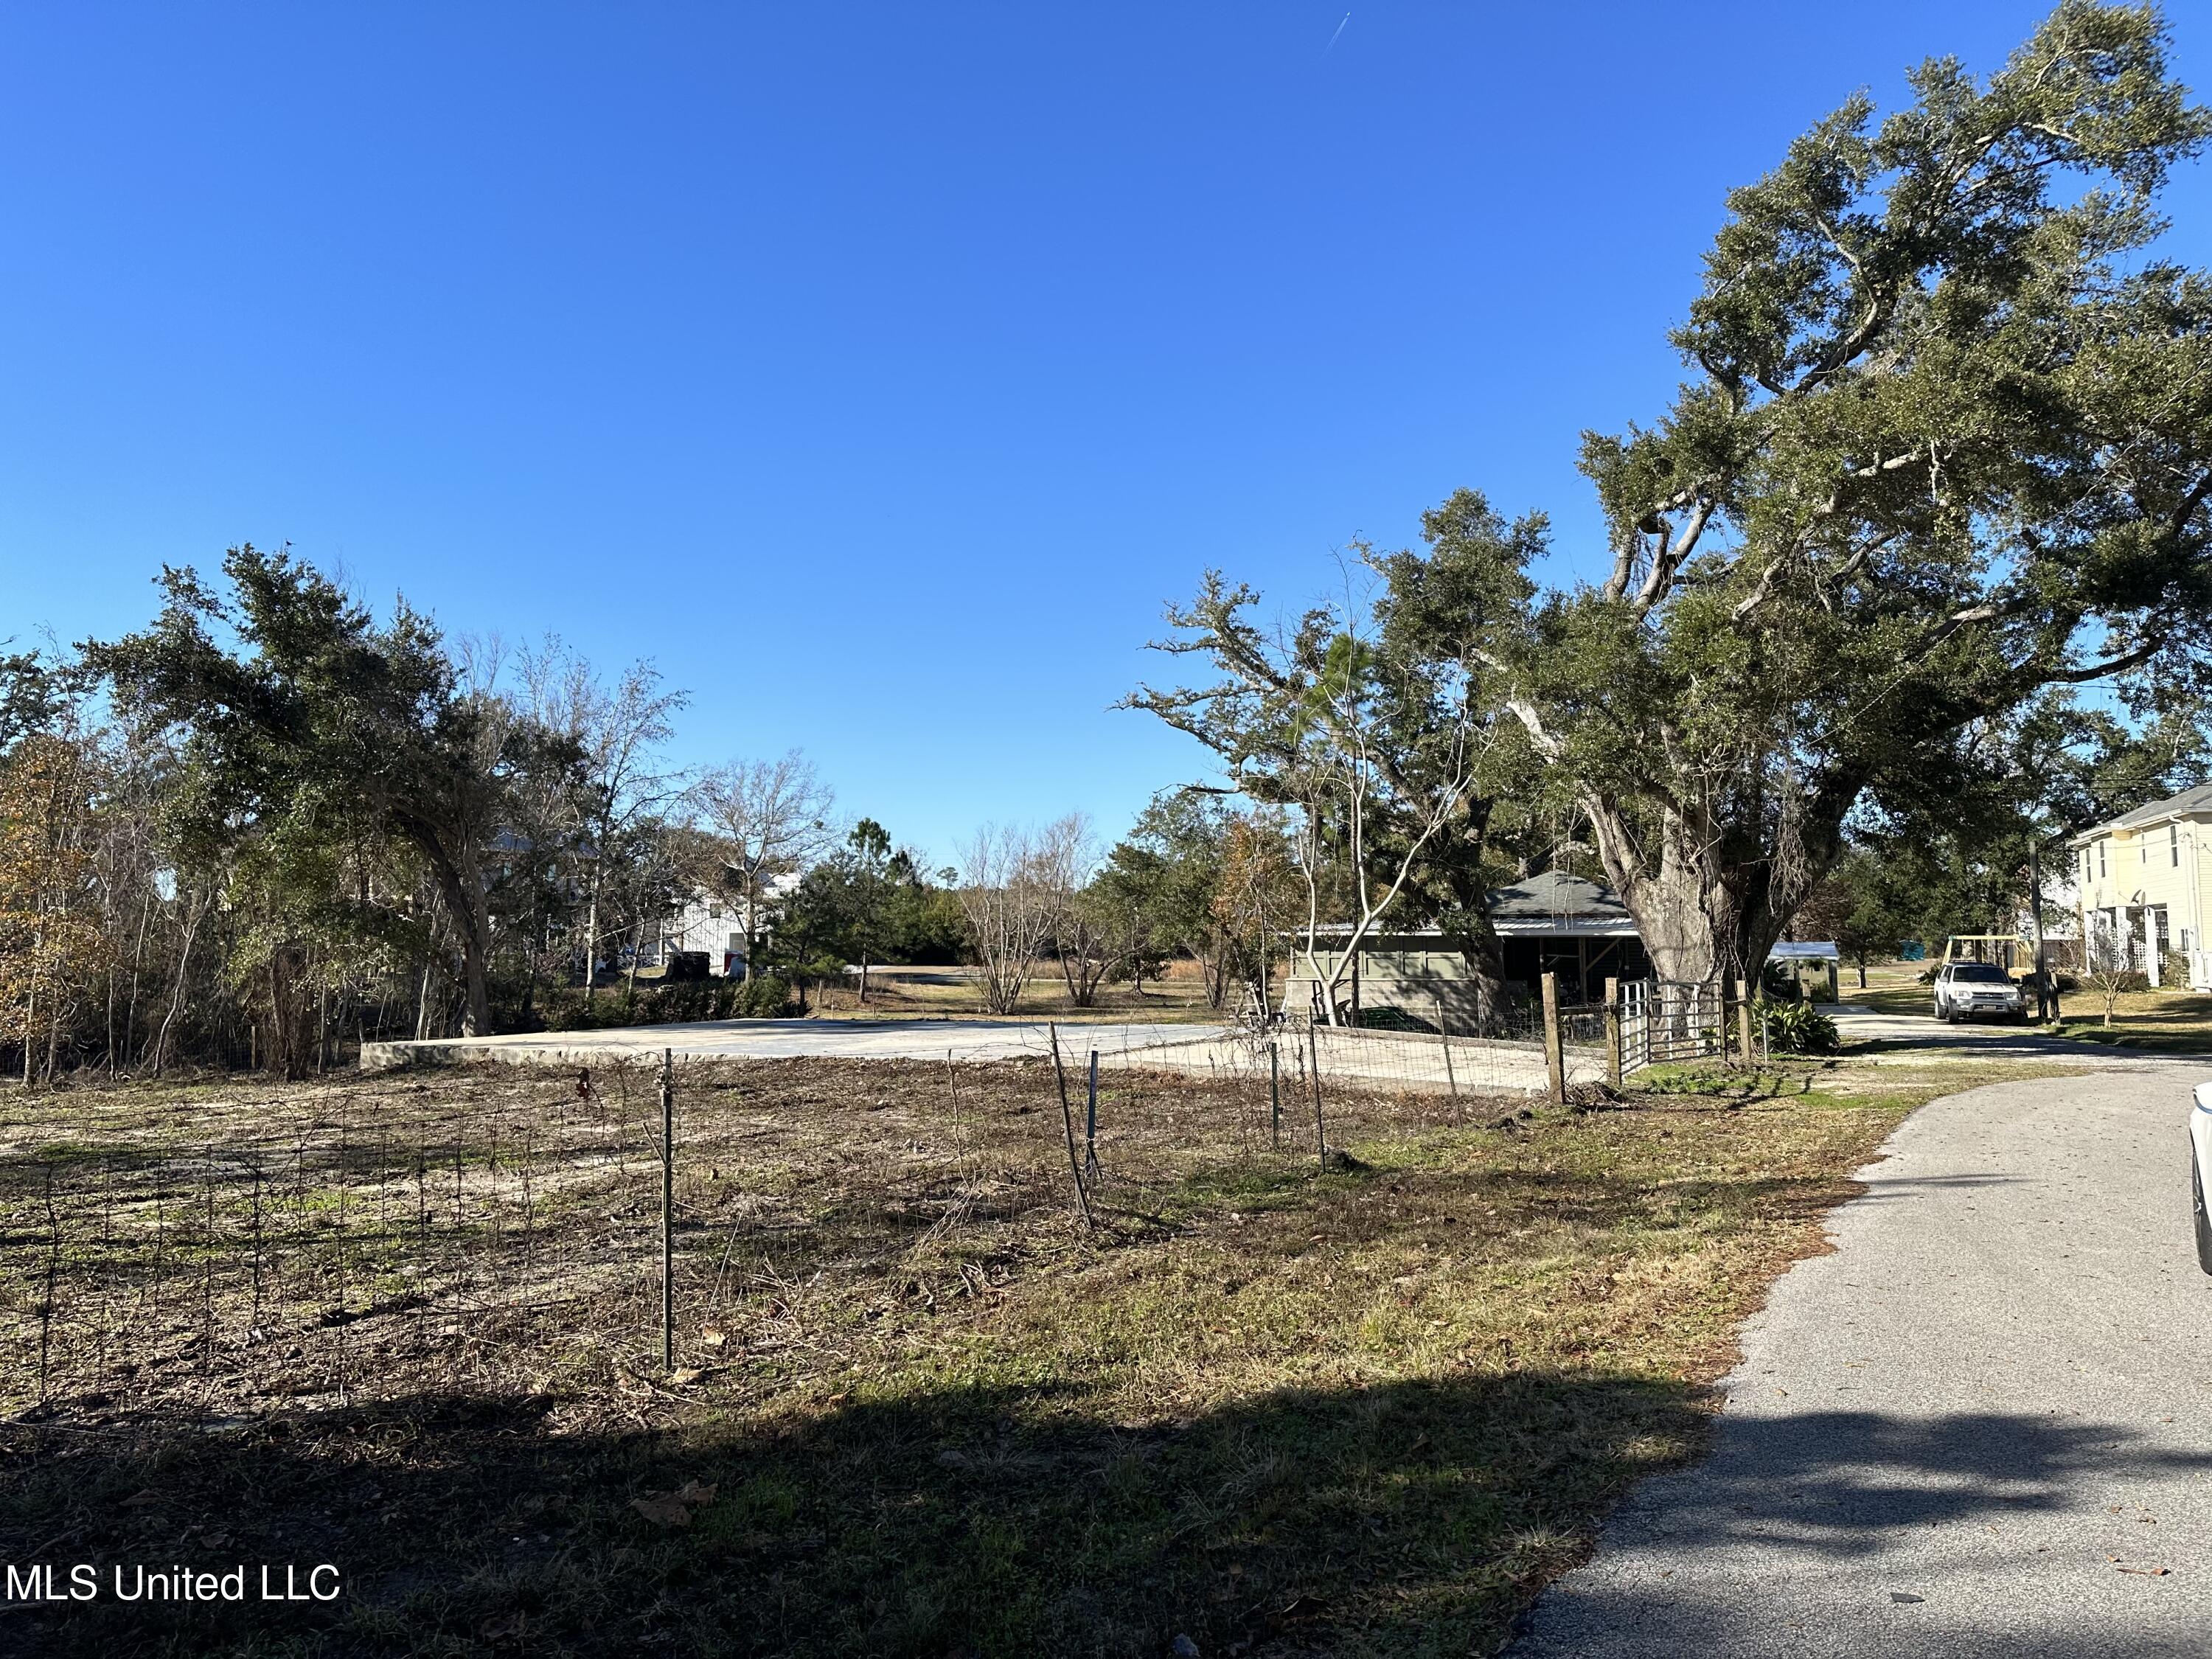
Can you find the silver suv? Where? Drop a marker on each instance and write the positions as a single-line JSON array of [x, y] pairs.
[[1966, 989]]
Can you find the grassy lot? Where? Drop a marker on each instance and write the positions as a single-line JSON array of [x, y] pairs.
[[1284, 1411], [2165, 1021]]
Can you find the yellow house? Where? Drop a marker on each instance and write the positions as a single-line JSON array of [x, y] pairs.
[[2145, 882]]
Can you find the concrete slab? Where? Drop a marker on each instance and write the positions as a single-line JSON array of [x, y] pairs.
[[787, 1039]]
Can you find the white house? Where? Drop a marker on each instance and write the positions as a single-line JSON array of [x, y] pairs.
[[2145, 884], [708, 921]]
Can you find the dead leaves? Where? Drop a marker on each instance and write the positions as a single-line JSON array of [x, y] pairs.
[[673, 1508], [2140, 1572]]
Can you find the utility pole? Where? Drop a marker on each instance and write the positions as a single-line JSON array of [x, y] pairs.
[[2043, 999]]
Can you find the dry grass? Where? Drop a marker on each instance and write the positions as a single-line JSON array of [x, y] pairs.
[[1283, 1410]]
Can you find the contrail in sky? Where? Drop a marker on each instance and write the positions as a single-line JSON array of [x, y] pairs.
[[1330, 46]]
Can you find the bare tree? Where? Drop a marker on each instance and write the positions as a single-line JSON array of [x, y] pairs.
[[774, 818], [626, 784], [1374, 745], [1084, 934], [1007, 899]]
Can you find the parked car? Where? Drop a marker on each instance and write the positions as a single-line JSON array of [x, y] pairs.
[[2200, 1150], [1964, 989]]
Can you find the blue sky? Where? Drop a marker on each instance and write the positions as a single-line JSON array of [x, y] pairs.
[[878, 371]]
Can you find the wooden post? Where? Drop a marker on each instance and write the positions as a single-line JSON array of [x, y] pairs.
[[1555, 1059], [1274, 1094], [1067, 1123], [667, 1209], [1743, 1021], [1613, 1069], [1320, 1137]]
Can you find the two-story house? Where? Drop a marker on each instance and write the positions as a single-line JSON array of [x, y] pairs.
[[2145, 886]]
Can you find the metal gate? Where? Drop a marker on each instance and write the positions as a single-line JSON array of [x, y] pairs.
[[1662, 1021]]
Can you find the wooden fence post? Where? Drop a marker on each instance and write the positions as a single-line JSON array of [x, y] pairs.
[[1555, 1059], [1613, 1069], [1743, 1021]]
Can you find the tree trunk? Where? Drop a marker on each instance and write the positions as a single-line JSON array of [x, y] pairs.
[[1479, 946], [592, 938], [464, 894], [1712, 906], [422, 996], [177, 998], [137, 959]]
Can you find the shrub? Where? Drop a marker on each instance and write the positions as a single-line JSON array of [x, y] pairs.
[[763, 997], [1798, 1028]]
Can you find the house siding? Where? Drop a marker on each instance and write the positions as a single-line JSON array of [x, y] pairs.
[[2160, 871]]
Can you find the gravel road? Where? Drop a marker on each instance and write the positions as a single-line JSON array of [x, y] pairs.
[[1982, 1426]]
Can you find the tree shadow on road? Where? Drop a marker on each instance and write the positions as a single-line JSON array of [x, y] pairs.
[[1795, 1520]]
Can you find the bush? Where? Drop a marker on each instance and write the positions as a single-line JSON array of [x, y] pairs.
[[656, 1002], [763, 997], [1797, 1028]]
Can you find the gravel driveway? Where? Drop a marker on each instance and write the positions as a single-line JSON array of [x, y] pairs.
[[1983, 1426]]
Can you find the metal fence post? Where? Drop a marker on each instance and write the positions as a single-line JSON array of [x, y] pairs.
[[1614, 1071], [668, 1209], [1091, 1122], [1321, 1136], [1274, 1094], [1555, 1059], [1068, 1124], [1444, 1037]]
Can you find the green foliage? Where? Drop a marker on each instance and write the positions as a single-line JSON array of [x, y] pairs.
[[1798, 1028], [764, 996], [322, 731], [671, 1003], [1948, 444], [866, 903]]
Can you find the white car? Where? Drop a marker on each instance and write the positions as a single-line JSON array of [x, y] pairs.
[[1964, 989], [2200, 1152]]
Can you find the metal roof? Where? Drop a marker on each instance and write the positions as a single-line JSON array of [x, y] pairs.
[[1555, 895], [1805, 950]]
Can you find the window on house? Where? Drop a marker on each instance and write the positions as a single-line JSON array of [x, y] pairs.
[[713, 913], [2100, 858], [2174, 845]]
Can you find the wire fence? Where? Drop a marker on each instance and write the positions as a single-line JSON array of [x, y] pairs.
[[212, 1252]]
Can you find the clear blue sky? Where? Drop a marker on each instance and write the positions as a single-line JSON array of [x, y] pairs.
[[878, 371]]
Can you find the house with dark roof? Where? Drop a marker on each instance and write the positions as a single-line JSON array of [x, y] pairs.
[[2144, 885], [1548, 923]]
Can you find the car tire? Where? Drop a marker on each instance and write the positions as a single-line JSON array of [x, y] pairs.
[[2197, 1203]]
